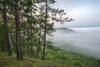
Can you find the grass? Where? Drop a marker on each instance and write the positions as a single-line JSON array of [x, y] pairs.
[[10, 61]]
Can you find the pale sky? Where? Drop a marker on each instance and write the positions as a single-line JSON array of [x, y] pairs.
[[84, 12]]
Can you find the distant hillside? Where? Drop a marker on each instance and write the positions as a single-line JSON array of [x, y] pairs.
[[65, 29]]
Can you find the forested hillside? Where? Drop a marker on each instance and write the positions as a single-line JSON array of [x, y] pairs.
[[24, 26]]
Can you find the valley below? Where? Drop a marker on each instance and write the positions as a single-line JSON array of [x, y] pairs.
[[83, 40]]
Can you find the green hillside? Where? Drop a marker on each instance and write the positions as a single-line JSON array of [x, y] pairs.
[[55, 57], [10, 61]]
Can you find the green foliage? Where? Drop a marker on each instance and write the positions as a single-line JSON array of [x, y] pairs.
[[57, 55], [2, 37]]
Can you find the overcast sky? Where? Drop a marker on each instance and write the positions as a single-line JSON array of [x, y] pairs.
[[85, 12]]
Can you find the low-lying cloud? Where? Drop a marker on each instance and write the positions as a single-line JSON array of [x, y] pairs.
[[84, 40]]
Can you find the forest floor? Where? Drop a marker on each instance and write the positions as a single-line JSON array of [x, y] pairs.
[[10, 61]]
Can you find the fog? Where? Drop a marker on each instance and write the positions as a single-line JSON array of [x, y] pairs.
[[83, 40]]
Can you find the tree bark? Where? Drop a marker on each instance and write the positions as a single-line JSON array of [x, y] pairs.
[[45, 30], [13, 38], [9, 44], [17, 23]]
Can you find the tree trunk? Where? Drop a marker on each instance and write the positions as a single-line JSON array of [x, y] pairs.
[[9, 44], [13, 38], [45, 30], [17, 23]]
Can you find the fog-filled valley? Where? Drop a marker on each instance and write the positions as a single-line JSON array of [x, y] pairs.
[[83, 40]]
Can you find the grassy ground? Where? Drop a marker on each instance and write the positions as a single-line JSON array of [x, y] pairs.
[[10, 61]]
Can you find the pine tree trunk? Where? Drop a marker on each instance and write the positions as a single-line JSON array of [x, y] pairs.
[[17, 23], [13, 38], [45, 30], [9, 44]]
